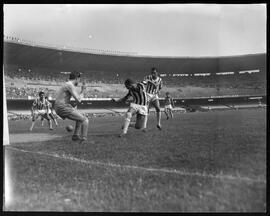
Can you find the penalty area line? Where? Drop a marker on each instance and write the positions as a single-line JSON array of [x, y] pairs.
[[161, 170]]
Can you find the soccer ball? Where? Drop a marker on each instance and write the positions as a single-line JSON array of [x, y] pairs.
[[69, 128]]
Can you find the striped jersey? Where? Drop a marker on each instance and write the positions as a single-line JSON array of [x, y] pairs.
[[40, 104], [139, 95], [153, 86]]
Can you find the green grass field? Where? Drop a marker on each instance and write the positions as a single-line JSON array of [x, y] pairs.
[[199, 162]]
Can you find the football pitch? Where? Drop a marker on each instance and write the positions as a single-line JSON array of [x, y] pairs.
[[199, 162]]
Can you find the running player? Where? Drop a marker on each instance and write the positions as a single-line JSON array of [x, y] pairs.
[[169, 105], [64, 109], [138, 106], [50, 113], [153, 86], [40, 108]]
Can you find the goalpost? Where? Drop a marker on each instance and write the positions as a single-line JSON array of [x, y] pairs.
[[5, 116]]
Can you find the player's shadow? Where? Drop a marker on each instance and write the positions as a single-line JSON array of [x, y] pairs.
[[106, 134]]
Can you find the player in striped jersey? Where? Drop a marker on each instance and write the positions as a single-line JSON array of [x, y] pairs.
[[40, 108], [50, 113], [169, 105], [153, 86], [138, 106]]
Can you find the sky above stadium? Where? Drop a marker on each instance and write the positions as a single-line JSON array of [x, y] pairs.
[[147, 29]]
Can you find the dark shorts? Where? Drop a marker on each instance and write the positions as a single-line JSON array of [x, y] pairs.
[[140, 121], [68, 111]]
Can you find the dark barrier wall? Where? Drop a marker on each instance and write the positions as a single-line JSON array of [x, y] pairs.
[[26, 104]]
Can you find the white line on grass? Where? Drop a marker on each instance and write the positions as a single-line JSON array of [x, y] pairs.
[[162, 170]]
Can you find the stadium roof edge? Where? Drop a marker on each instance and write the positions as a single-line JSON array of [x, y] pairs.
[[122, 54]]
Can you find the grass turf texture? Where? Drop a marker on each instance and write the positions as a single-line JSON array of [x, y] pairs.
[[222, 143]]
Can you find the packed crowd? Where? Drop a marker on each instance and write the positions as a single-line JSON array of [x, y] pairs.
[[231, 81], [180, 86], [177, 92], [31, 74], [25, 92], [18, 116], [56, 76]]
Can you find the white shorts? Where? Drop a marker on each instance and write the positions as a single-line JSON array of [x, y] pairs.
[[143, 110], [152, 97], [168, 106], [39, 112]]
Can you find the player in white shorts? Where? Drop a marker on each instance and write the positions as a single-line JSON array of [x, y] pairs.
[[153, 86], [169, 105], [40, 108], [50, 113], [138, 106]]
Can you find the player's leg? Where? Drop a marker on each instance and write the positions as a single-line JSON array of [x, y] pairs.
[[148, 109], [81, 123], [42, 121], [158, 113], [141, 121], [46, 116], [78, 128], [141, 118], [166, 112], [171, 113], [150, 100], [131, 111], [34, 117], [53, 118], [67, 111]]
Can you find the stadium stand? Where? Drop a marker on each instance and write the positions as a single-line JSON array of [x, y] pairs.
[[29, 68]]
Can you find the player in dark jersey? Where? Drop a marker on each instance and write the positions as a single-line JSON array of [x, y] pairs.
[[138, 106], [169, 105], [153, 86], [40, 108]]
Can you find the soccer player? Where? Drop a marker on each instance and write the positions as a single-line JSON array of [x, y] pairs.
[[138, 106], [64, 109], [153, 86], [50, 113], [169, 105], [40, 108]]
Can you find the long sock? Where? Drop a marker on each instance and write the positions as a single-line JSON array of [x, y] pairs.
[[54, 120], [85, 127], [145, 122], [33, 123], [171, 114], [166, 113], [50, 123], [158, 117], [77, 128], [126, 124]]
